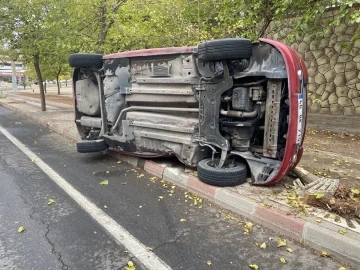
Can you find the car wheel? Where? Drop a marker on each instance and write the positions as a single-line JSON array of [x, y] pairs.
[[232, 174], [91, 146], [85, 60], [225, 49]]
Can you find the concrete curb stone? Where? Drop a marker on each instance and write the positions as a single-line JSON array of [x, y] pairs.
[[323, 236]]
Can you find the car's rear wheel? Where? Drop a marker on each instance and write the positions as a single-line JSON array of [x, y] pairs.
[[233, 173], [91, 146], [85, 60], [225, 49]]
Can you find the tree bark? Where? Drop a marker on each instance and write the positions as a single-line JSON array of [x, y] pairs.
[[39, 77], [57, 80]]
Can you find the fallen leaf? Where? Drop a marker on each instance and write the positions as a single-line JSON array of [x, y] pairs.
[[33, 160], [208, 262], [119, 162], [249, 225], [289, 250], [355, 191], [319, 195], [281, 243], [282, 260], [21, 229], [130, 266], [342, 268], [94, 173], [358, 178], [318, 220], [160, 198], [105, 182], [107, 172], [50, 201], [141, 176], [263, 245], [182, 220], [105, 206], [149, 249], [254, 266], [325, 254], [342, 232], [314, 160], [140, 206]]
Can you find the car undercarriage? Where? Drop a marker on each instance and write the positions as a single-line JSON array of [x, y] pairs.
[[223, 107]]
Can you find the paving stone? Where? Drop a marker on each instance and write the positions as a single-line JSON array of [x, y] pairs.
[[353, 93], [329, 52], [325, 104], [321, 89], [344, 58], [324, 68], [322, 60], [339, 67], [320, 79], [318, 53], [315, 107], [340, 79], [350, 75], [333, 40], [340, 29], [344, 102], [336, 109], [330, 76], [342, 91], [325, 95], [353, 81], [350, 66], [356, 102], [349, 110], [333, 60], [333, 99]]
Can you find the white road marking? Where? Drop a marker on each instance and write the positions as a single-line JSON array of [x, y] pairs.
[[122, 236]]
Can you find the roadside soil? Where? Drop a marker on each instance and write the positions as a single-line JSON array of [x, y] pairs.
[[332, 155], [50, 97]]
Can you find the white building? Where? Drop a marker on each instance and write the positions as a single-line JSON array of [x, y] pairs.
[[6, 70]]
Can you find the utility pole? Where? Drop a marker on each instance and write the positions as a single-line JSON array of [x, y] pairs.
[[13, 76]]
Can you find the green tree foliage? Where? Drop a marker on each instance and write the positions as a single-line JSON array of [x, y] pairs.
[[44, 32]]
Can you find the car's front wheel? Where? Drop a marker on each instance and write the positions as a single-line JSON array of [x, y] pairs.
[[233, 173]]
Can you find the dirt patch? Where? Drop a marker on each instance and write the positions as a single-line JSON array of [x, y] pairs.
[[345, 202], [332, 155], [54, 98]]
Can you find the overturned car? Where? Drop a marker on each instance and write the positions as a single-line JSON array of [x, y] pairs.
[[232, 108]]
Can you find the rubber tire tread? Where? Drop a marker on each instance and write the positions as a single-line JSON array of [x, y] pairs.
[[225, 49], [221, 177], [85, 60], [91, 146]]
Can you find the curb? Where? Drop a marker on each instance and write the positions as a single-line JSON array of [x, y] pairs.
[[322, 236]]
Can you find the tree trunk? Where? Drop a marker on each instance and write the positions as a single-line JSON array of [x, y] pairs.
[[39, 77], [45, 86], [58, 84], [57, 80]]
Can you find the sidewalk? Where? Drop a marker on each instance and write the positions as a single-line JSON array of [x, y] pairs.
[[263, 205]]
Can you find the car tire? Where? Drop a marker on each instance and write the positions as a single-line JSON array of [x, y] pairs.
[[91, 146], [225, 49], [85, 60], [230, 176]]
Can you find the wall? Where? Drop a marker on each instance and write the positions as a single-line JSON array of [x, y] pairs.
[[334, 77]]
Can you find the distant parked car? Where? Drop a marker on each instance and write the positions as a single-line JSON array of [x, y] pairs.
[[232, 108]]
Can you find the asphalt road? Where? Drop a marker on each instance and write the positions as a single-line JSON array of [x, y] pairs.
[[162, 218]]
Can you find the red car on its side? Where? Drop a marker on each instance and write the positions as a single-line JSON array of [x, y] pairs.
[[232, 108]]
